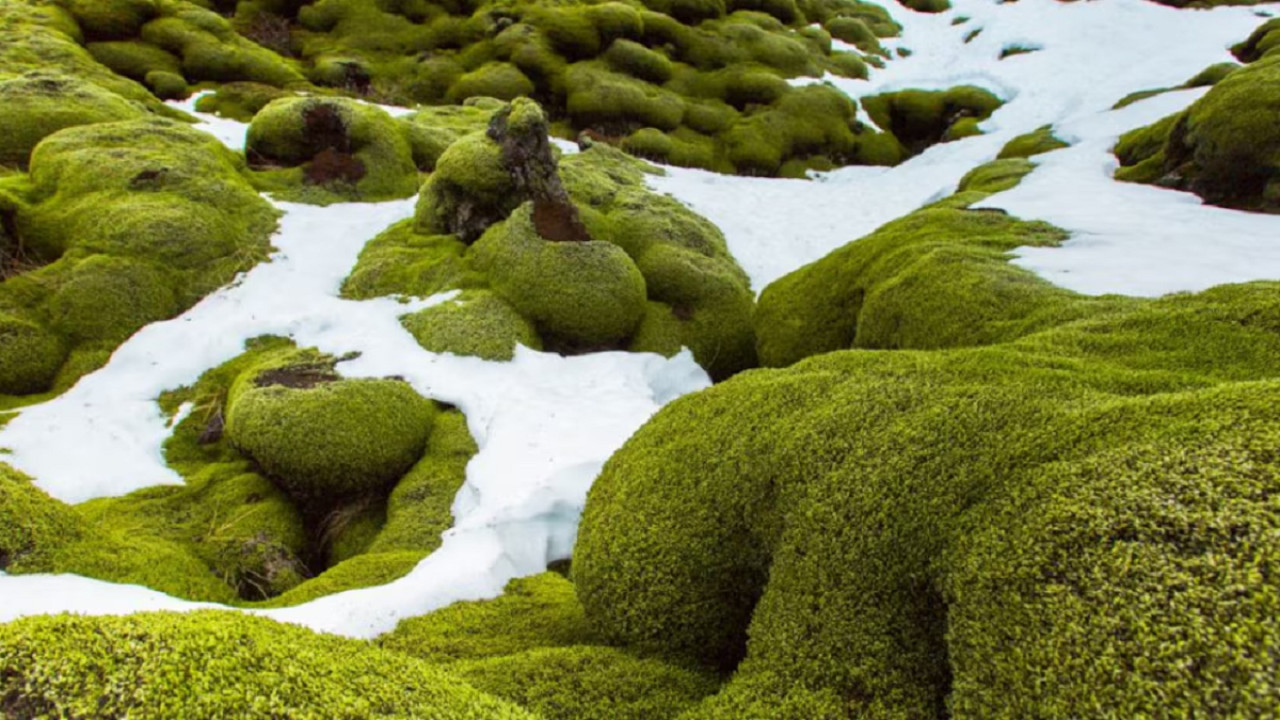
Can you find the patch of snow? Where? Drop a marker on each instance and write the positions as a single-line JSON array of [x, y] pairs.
[[229, 132]]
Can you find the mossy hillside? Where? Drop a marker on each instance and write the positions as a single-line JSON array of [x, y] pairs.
[[663, 277], [120, 224], [936, 278], [342, 147], [948, 462], [1222, 147], [214, 664]]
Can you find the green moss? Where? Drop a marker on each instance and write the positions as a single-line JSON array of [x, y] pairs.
[[111, 20], [578, 295], [1205, 78], [432, 130], [503, 81], [634, 59], [29, 356], [31, 522], [205, 664], [608, 102], [477, 323], [420, 508], [347, 148], [540, 611], [920, 118], [583, 682], [134, 59], [804, 121], [333, 438], [239, 101], [1259, 43], [914, 531], [38, 104], [996, 176], [936, 278], [167, 85], [402, 262], [469, 191], [108, 298], [1036, 142], [1220, 148], [211, 50], [367, 570]]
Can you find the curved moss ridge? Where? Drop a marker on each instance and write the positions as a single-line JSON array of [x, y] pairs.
[[122, 224], [1223, 147], [655, 278], [532, 646], [219, 664], [936, 278], [331, 146], [234, 533], [985, 532], [695, 83], [1205, 78]]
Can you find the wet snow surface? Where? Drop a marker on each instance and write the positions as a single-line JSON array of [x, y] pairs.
[[545, 424]]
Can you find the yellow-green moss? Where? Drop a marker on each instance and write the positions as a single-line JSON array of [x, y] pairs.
[[476, 323], [540, 611], [38, 104], [1036, 142], [432, 130], [402, 262], [239, 100], [31, 522], [214, 664], [920, 118]]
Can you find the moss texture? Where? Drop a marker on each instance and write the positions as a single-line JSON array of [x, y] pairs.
[[655, 277], [124, 223], [1221, 148], [936, 534], [213, 664], [920, 118], [349, 149], [1036, 142], [31, 522], [239, 101], [37, 104]]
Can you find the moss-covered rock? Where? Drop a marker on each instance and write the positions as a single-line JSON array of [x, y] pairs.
[[1036, 142], [914, 533], [32, 355], [579, 295], [345, 148], [920, 118], [107, 298], [224, 664], [1221, 148], [37, 104], [470, 190], [322, 437]]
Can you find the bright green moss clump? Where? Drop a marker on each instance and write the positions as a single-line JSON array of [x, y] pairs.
[[31, 522], [479, 323], [920, 118], [211, 664], [123, 224], [917, 533], [341, 147], [324, 437], [38, 104], [1033, 143]]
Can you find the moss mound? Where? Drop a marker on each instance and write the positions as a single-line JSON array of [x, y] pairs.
[[325, 437], [122, 224], [653, 277], [37, 104], [31, 522], [1033, 143], [918, 119], [225, 664], [334, 145], [920, 534], [1220, 148]]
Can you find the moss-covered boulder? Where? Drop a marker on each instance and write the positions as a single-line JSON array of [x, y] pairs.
[[920, 118], [579, 295], [342, 147], [431, 130], [228, 664], [470, 190], [990, 532], [120, 224], [39, 103], [239, 101], [1221, 148], [477, 323], [322, 437]]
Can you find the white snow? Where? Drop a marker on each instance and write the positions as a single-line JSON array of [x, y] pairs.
[[545, 424], [1126, 239]]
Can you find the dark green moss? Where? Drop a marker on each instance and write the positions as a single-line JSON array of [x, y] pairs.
[[919, 118], [239, 101]]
